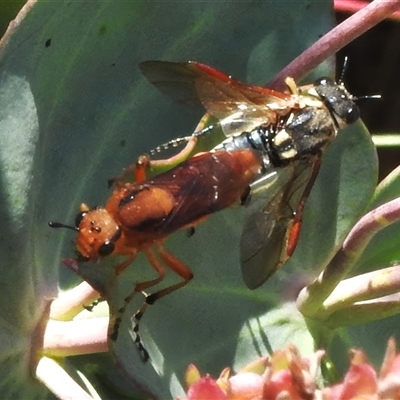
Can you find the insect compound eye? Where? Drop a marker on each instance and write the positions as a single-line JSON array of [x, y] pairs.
[[79, 218], [352, 115], [109, 246], [337, 100], [106, 248]]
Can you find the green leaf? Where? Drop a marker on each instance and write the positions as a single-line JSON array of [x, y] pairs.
[[74, 112], [274, 330]]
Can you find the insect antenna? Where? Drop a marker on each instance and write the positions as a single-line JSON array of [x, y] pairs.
[[344, 69], [171, 144], [369, 96], [181, 141], [340, 82], [53, 224]]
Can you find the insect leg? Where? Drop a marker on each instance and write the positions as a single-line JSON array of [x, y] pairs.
[[179, 268], [120, 268], [139, 287], [145, 163], [172, 262], [135, 172], [138, 171], [294, 231], [92, 305]]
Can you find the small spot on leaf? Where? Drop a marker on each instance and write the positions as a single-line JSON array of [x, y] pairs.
[[102, 30]]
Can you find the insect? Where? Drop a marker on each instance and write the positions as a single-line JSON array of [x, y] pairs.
[[139, 216], [270, 158], [291, 130]]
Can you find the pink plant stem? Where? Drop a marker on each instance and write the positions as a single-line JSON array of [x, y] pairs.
[[70, 303], [352, 6], [57, 380], [336, 39], [314, 295], [70, 338], [372, 285]]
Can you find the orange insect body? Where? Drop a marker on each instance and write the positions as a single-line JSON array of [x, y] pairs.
[[140, 215]]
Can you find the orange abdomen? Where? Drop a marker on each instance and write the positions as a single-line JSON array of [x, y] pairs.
[[181, 197]]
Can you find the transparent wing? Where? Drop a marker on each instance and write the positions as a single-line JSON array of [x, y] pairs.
[[238, 106], [263, 244]]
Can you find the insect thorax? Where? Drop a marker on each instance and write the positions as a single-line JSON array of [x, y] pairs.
[[299, 135], [303, 134]]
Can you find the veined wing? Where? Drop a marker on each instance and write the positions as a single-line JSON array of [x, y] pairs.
[[238, 106], [264, 240]]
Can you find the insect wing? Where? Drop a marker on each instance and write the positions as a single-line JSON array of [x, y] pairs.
[[238, 106], [201, 186], [174, 79], [263, 244]]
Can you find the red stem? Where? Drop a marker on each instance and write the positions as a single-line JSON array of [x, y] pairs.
[[352, 6]]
